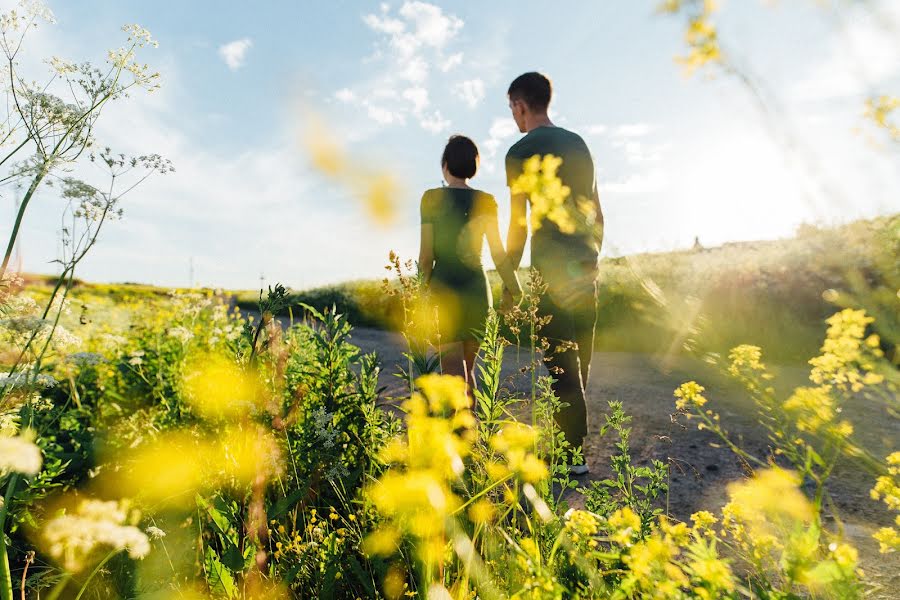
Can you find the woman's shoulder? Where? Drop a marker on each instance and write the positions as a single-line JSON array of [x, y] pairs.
[[484, 198]]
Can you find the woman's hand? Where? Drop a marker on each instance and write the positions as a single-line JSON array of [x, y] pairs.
[[509, 300]]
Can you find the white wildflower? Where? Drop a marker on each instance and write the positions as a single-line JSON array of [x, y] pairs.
[[25, 325], [19, 454], [325, 431], [85, 359], [61, 66], [155, 533], [20, 304], [112, 341], [180, 333], [95, 524], [23, 379], [64, 339], [139, 35], [9, 423]]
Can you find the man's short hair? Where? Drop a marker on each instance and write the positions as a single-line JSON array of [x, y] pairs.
[[461, 157], [534, 89]]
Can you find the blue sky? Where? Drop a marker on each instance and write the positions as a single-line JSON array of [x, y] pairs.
[[677, 157]]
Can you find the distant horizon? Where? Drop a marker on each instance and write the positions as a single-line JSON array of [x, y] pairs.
[[603, 257]]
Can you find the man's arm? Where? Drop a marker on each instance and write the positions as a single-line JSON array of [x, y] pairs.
[[598, 218], [518, 230]]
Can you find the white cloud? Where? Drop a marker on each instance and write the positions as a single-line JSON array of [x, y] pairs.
[[434, 122], [345, 95], [452, 61], [501, 131], [411, 44], [384, 24], [632, 130], [432, 27], [415, 69], [383, 116], [596, 129], [470, 91], [418, 96], [234, 53]]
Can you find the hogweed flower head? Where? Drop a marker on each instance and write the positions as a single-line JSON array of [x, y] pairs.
[[94, 525], [19, 454]]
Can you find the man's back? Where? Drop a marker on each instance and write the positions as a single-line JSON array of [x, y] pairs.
[[551, 248]]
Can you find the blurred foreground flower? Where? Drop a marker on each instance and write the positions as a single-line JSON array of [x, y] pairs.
[[95, 525], [880, 109], [173, 468], [19, 454], [218, 388], [377, 190], [546, 192], [887, 489]]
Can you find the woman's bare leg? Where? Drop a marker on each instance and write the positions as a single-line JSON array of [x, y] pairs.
[[452, 359], [470, 351], [459, 359]]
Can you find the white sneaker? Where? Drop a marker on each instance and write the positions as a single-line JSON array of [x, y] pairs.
[[578, 470]]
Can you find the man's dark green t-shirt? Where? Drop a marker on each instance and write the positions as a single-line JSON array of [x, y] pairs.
[[551, 248]]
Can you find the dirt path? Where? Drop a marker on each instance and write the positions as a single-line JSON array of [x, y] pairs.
[[700, 468]]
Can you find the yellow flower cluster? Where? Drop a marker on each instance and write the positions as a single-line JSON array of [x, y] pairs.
[[746, 360], [624, 526], [652, 568], [517, 443], [689, 394], [815, 411], [773, 522], [546, 193], [887, 489], [315, 534], [880, 109], [703, 522], [416, 494], [848, 357], [701, 36], [582, 526]]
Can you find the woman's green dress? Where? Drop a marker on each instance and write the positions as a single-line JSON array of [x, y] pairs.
[[458, 284]]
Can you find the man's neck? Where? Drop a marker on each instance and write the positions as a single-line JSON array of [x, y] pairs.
[[536, 121]]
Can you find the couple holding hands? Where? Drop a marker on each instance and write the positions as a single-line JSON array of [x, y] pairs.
[[457, 218]]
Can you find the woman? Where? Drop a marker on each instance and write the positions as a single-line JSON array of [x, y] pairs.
[[456, 219]]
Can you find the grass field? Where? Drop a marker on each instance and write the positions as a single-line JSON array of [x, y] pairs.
[[303, 481], [774, 294]]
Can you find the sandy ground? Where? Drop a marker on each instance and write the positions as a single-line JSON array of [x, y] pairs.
[[700, 468]]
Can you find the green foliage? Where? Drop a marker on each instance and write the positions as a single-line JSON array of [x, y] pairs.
[[638, 487]]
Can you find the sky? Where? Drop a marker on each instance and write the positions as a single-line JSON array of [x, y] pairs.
[[677, 156]]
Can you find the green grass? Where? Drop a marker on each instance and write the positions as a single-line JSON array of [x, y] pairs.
[[775, 294]]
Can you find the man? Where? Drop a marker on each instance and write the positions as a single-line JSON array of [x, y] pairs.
[[563, 251]]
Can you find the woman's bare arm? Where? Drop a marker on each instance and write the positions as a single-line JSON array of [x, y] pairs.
[[426, 252], [498, 254]]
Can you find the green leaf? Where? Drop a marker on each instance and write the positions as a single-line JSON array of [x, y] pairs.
[[219, 578]]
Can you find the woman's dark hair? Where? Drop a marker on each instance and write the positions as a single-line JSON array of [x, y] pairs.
[[534, 89], [461, 157]]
